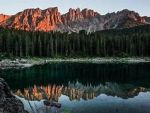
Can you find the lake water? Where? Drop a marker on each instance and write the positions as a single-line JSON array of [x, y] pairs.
[[85, 87]]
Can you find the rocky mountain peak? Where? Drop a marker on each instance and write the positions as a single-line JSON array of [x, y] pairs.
[[35, 19], [131, 15], [78, 15], [147, 19], [89, 13], [74, 20], [3, 17]]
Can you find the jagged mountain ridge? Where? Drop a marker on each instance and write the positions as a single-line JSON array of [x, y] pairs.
[[121, 19], [34, 19], [74, 20], [147, 19], [3, 18]]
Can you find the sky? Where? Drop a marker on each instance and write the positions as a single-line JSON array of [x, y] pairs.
[[11, 7]]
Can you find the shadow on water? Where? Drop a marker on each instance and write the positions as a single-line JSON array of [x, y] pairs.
[[85, 73]]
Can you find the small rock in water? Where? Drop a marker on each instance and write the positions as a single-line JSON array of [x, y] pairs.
[[52, 104], [47, 103], [58, 105]]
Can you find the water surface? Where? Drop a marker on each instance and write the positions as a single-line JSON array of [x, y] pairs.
[[85, 87]]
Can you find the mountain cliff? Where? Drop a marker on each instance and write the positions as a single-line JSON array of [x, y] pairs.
[[121, 19], [147, 19], [34, 19], [3, 18], [77, 15], [74, 20]]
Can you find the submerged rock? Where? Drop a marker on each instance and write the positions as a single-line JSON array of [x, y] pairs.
[[8, 102], [52, 104]]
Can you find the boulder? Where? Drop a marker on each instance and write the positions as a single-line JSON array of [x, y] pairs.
[[8, 102]]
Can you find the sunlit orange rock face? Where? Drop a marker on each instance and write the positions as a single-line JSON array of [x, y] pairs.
[[3, 17], [35, 19], [77, 15], [73, 21], [44, 20]]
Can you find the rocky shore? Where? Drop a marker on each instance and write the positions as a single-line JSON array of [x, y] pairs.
[[8, 102], [20, 63], [17, 63], [29, 62]]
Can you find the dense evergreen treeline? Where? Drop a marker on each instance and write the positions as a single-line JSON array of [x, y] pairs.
[[124, 42]]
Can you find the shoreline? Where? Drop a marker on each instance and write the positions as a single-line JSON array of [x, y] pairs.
[[29, 62]]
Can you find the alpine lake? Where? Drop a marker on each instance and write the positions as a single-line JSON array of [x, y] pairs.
[[83, 87]]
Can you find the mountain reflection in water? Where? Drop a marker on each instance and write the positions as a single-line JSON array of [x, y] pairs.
[[85, 87], [78, 91]]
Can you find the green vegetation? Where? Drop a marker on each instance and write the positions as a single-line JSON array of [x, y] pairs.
[[108, 43]]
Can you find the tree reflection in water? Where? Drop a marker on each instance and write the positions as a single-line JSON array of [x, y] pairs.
[[83, 85]]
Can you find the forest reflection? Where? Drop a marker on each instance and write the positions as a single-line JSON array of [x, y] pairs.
[[79, 80], [85, 73]]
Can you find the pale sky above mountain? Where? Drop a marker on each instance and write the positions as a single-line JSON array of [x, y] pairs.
[[101, 6]]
